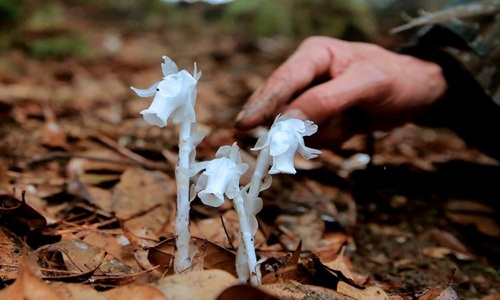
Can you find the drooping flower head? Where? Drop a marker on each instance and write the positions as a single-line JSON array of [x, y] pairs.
[[221, 176], [175, 96], [284, 139]]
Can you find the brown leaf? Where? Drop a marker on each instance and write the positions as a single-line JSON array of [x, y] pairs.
[[339, 264], [446, 292], [307, 228], [134, 292], [369, 293], [291, 291], [212, 229], [208, 254], [74, 291], [116, 244], [10, 254], [81, 261], [139, 247], [283, 269], [53, 136], [28, 287], [244, 292], [195, 285], [19, 217], [468, 213], [217, 231], [446, 239], [149, 192], [331, 243], [102, 168]]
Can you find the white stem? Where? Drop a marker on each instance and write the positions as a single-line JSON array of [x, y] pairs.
[[182, 260], [248, 240], [246, 233], [261, 168]]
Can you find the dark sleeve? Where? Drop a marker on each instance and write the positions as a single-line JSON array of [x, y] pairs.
[[470, 60]]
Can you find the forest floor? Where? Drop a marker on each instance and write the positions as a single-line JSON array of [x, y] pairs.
[[420, 221]]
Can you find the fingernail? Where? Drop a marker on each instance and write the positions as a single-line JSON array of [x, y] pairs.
[[240, 116], [297, 114]]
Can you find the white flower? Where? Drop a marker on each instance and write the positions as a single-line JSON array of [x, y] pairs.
[[175, 96], [284, 139], [221, 176]]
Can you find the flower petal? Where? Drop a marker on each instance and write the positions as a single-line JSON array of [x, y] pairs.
[[305, 151], [171, 85], [196, 74], [160, 110], [280, 142], [211, 199], [168, 66], [150, 91], [284, 163], [152, 118], [233, 187], [310, 129]]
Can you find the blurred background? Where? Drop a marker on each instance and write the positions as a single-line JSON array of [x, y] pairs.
[[66, 68], [61, 29], [77, 59]]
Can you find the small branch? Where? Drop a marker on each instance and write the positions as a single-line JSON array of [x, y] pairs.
[[60, 154]]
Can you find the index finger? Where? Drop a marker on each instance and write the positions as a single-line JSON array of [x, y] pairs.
[[312, 59]]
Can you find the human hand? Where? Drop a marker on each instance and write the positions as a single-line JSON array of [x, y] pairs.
[[387, 88]]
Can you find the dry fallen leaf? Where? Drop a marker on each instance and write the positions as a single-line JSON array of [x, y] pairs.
[[74, 291], [208, 255], [10, 254], [28, 287], [307, 228], [144, 200], [53, 136], [446, 292], [291, 291], [282, 269], [245, 292], [80, 262], [20, 217], [96, 166], [338, 264], [116, 244], [207, 285], [331, 243], [368, 293], [468, 213]]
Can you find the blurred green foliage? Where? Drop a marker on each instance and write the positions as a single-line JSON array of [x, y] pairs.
[[46, 29], [58, 47], [10, 12], [299, 18], [41, 29]]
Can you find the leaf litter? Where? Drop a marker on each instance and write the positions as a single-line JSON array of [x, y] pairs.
[[88, 194]]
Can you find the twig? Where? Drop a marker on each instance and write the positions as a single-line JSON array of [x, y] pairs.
[[122, 150], [60, 154], [227, 234]]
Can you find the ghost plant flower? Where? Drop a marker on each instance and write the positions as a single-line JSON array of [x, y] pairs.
[[174, 99], [174, 96], [279, 145], [284, 139], [221, 176]]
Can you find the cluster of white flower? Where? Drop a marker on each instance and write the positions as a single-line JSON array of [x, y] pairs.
[[174, 99]]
